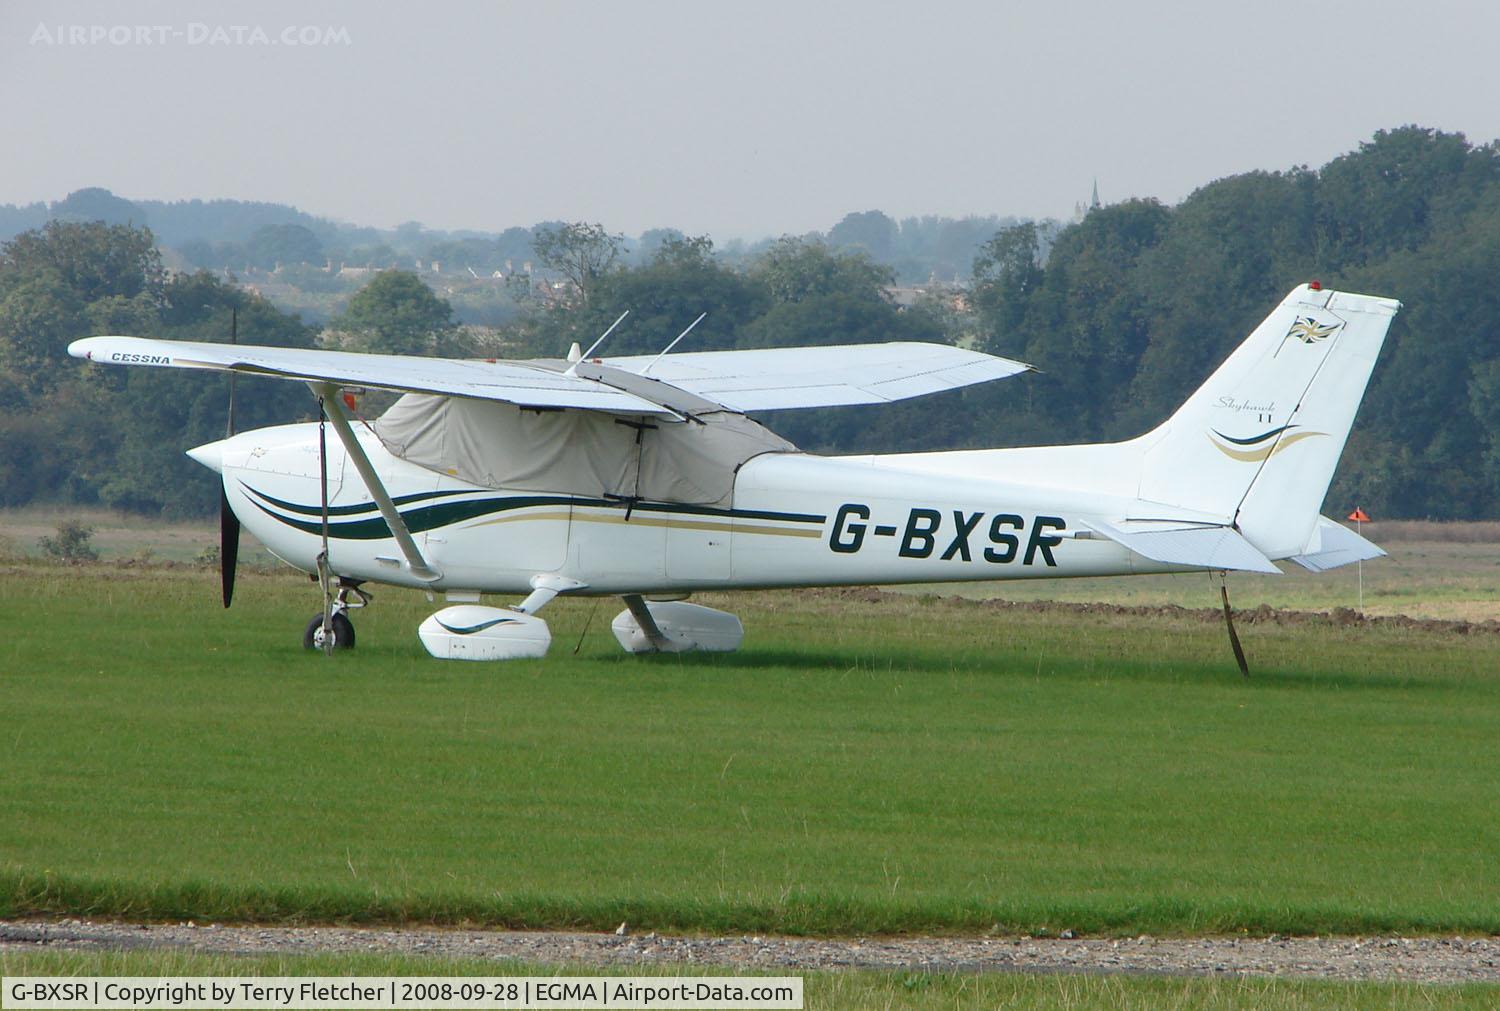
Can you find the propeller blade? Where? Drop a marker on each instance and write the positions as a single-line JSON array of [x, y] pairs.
[[229, 546], [1234, 640]]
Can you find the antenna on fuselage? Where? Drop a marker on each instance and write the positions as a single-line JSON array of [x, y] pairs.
[[672, 345], [573, 369]]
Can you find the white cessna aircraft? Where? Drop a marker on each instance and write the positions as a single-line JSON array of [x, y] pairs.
[[644, 477]]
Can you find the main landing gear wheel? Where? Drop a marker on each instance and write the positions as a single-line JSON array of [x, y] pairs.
[[340, 626]]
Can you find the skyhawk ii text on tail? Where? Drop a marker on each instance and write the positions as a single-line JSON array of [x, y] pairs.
[[644, 477]]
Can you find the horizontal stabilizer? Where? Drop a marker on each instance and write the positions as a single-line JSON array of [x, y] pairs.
[[1332, 545], [1201, 546]]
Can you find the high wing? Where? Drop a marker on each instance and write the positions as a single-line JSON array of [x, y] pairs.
[[513, 382], [761, 379], [773, 379]]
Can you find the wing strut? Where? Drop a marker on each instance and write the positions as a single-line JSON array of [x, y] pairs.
[[327, 393], [647, 621]]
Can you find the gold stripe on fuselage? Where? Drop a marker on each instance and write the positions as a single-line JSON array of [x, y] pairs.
[[717, 526]]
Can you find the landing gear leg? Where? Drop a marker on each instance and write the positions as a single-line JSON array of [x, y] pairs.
[[674, 626]]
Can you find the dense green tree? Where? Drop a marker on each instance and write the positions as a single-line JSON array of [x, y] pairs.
[[651, 240], [1090, 322], [871, 231], [580, 252], [380, 256], [480, 255], [1136, 305], [820, 296], [37, 319], [1080, 315], [90, 260], [1399, 187], [96, 204], [165, 407], [396, 313], [514, 244], [15, 219], [198, 253], [942, 248], [1484, 403], [795, 270], [1007, 273], [409, 237], [1427, 413], [224, 221], [272, 245], [199, 306], [665, 295], [69, 280], [69, 432]]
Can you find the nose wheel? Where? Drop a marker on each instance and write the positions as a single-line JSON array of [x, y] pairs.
[[339, 633]]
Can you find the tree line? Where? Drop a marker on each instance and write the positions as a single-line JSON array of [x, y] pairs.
[[71, 434], [242, 234], [1125, 312]]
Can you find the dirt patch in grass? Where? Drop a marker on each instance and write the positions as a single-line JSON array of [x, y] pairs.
[[1343, 617]]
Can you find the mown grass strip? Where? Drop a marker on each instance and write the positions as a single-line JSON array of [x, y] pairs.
[[23, 894], [850, 989]]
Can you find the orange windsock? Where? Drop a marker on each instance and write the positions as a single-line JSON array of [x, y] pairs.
[[1359, 516]]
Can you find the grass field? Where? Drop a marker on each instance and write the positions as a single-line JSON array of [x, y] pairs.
[[846, 990], [894, 765]]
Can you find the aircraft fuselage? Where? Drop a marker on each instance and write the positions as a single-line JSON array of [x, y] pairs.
[[797, 520]]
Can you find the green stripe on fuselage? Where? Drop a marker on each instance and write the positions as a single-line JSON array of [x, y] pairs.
[[431, 517]]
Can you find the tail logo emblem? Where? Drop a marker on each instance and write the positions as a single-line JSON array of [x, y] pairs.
[[1258, 448], [1308, 331]]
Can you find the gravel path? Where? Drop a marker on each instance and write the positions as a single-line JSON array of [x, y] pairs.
[[1416, 959]]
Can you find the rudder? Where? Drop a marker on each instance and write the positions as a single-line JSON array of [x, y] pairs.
[[1258, 442]]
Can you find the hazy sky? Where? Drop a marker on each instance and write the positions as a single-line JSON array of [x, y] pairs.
[[736, 119]]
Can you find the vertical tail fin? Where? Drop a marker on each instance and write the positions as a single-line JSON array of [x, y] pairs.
[[1258, 442]]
